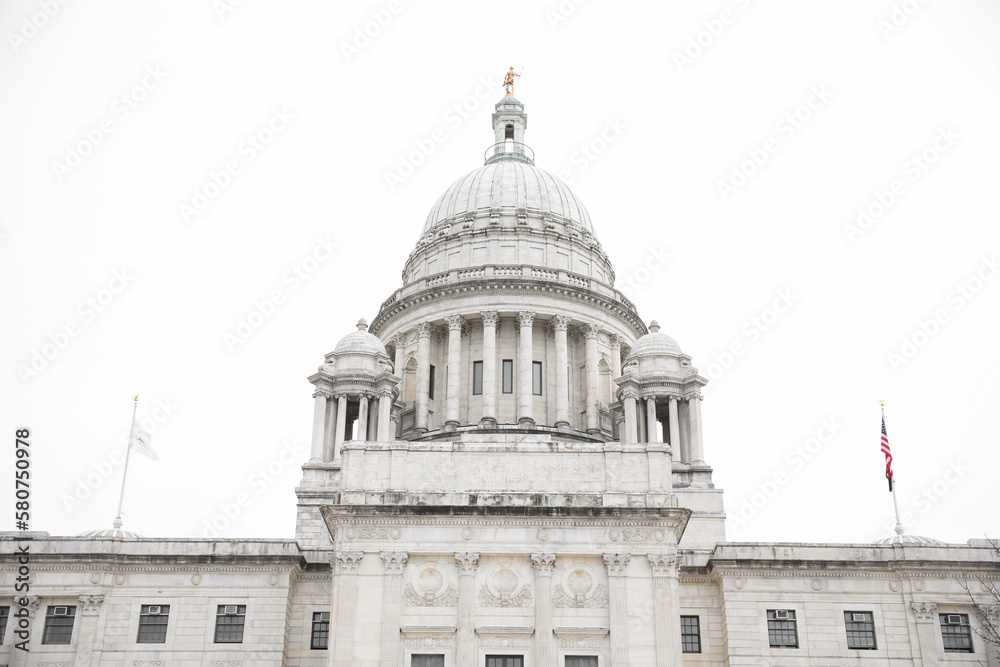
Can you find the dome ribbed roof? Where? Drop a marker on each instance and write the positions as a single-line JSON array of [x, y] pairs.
[[509, 185], [654, 343], [360, 341], [912, 540], [115, 533]]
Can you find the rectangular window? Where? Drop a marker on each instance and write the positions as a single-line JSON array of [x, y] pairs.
[[58, 625], [477, 378], [581, 661], [430, 386], [229, 622], [153, 623], [690, 635], [956, 633], [426, 661], [508, 376], [321, 630], [781, 631], [536, 378], [505, 661], [860, 630], [4, 613]]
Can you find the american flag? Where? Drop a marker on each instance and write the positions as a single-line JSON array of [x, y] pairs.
[[888, 454]]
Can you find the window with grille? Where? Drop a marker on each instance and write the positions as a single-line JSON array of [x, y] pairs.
[[430, 386], [505, 661], [690, 635], [320, 630], [581, 661], [477, 378], [860, 630], [229, 622], [4, 614], [58, 625], [781, 632], [956, 633], [427, 661], [507, 367], [153, 623], [536, 378]]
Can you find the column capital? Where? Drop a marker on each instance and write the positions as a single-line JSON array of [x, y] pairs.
[[394, 561], [543, 564], [91, 604], [526, 318], [616, 563], [349, 561], [424, 330], [490, 318], [454, 322], [664, 565], [560, 323], [34, 601], [467, 563], [693, 397], [924, 611], [590, 330], [629, 393], [616, 341], [326, 393]]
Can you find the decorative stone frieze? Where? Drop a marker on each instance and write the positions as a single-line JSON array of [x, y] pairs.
[[925, 612]]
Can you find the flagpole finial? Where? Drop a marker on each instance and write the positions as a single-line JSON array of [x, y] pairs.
[[881, 402], [136, 398]]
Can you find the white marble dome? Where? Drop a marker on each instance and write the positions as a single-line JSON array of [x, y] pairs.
[[509, 185], [360, 342], [655, 343]]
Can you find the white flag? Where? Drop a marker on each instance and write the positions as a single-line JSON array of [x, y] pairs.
[[140, 442]]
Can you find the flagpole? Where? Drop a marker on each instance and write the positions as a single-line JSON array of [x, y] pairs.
[[121, 498], [895, 503]]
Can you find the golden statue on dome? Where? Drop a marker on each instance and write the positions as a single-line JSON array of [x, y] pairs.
[[508, 81]]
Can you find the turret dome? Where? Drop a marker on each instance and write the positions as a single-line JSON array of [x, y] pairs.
[[360, 342]]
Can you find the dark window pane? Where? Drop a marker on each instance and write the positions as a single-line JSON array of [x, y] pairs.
[[860, 627], [320, 630], [505, 661], [430, 389], [58, 625], [229, 624], [536, 378], [690, 634], [426, 661], [956, 635], [4, 614], [153, 624], [508, 376], [781, 632], [477, 378], [581, 661]]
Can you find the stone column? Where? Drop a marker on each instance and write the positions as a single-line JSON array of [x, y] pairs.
[[423, 375], [339, 434], [992, 617], [385, 431], [490, 319], [631, 430], [363, 417], [653, 434], [8, 653], [617, 607], [666, 609], [697, 451], [392, 596], [345, 603], [454, 367], [561, 323], [616, 358], [927, 629], [320, 398], [397, 364], [90, 609], [593, 380], [526, 320], [330, 428], [640, 420], [673, 423], [465, 653], [545, 653], [684, 419]]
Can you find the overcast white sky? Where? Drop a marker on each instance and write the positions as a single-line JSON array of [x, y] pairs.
[[116, 115]]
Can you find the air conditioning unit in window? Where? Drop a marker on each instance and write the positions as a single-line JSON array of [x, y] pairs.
[[230, 609], [153, 609], [781, 613], [60, 611], [954, 619], [857, 617]]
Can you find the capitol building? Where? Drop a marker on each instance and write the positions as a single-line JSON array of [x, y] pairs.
[[509, 468]]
